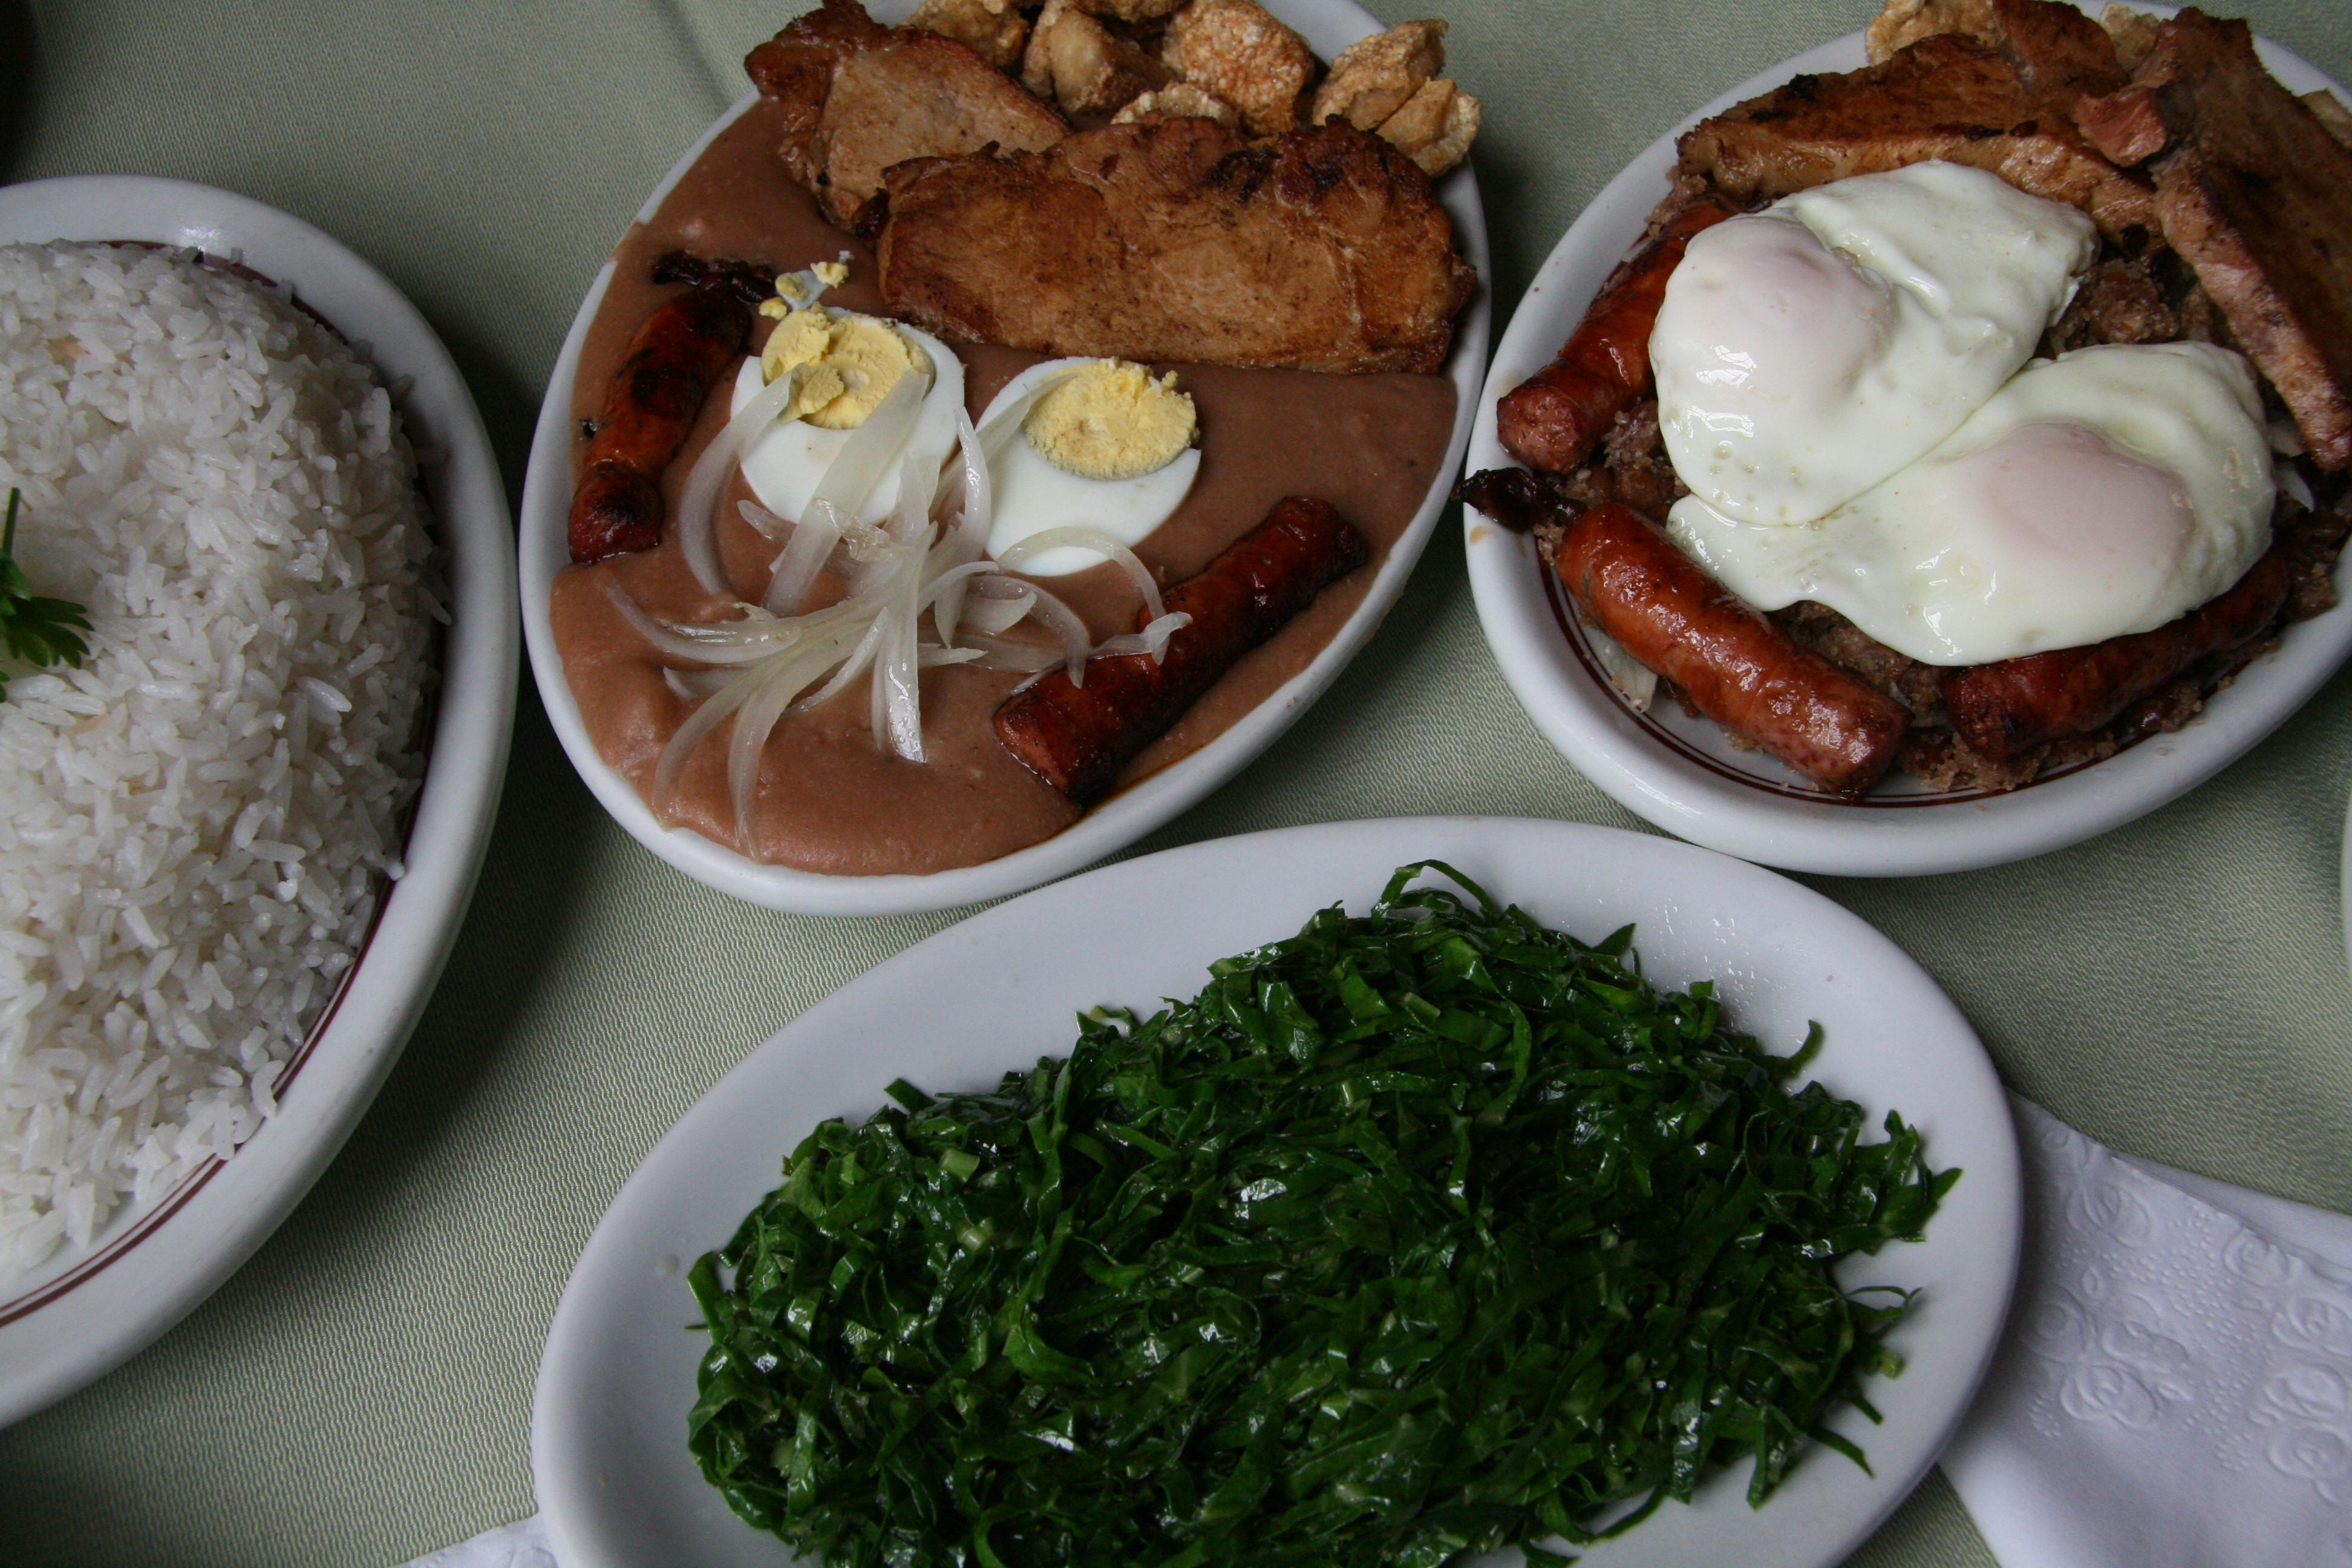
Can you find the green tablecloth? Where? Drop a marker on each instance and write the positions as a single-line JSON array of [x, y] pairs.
[[361, 1391]]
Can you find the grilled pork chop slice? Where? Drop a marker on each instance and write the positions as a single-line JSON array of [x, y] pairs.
[[1945, 96], [1181, 239], [862, 96], [2256, 196]]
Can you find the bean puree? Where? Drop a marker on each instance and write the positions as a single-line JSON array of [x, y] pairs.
[[830, 800]]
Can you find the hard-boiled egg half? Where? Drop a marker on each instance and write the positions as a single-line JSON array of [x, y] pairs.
[[2098, 494], [1098, 443], [1807, 352], [849, 363]]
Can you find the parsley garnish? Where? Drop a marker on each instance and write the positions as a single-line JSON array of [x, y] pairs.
[[1415, 1235], [41, 632]]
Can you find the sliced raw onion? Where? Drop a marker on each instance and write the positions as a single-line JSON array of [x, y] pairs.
[[1637, 681], [794, 573], [1028, 658], [2292, 485], [898, 697], [765, 524], [1013, 556], [696, 532], [1063, 622], [1152, 639], [867, 455], [989, 616], [694, 685], [859, 661]]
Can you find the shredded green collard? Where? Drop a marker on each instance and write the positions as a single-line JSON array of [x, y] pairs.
[[41, 632], [1417, 1234]]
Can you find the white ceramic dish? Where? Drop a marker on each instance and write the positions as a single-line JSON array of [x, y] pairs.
[[1683, 774], [1329, 26], [88, 1309], [608, 1427]]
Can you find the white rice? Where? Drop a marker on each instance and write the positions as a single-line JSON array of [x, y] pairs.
[[194, 827]]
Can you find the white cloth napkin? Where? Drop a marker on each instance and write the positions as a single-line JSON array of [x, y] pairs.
[[2174, 1387], [523, 1545]]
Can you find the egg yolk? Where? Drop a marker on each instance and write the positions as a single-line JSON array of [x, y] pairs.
[[1112, 420], [867, 355]]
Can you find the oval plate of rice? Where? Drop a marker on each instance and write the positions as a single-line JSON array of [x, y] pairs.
[[235, 843]]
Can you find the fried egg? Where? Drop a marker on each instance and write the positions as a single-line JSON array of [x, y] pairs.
[[2104, 492], [858, 359], [1805, 353], [1100, 444]]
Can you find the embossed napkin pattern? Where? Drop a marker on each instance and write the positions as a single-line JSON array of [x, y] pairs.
[[2176, 1384]]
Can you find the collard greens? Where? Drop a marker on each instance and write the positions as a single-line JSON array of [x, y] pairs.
[[1417, 1234]]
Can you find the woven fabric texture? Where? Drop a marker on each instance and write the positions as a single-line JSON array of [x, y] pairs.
[[360, 1393]]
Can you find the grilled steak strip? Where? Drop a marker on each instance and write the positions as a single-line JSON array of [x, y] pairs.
[[2255, 193]]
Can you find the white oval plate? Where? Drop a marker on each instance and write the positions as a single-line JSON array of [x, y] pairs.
[[87, 1309], [989, 995], [1683, 774], [1329, 26]]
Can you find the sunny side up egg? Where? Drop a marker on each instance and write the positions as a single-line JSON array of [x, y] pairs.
[[1805, 353], [2102, 493], [1086, 442]]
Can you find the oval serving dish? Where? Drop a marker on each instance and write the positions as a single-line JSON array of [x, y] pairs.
[[616, 1382], [1327, 24]]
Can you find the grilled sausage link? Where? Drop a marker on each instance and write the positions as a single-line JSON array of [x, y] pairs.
[[1079, 738], [1736, 667], [2005, 710], [676, 358], [1553, 419]]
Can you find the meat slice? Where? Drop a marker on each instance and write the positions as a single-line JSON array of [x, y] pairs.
[[1181, 239], [1947, 97], [2256, 196], [863, 97], [2054, 47]]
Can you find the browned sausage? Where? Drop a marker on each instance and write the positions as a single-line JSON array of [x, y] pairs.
[[1077, 738], [2005, 710], [1553, 419], [677, 355], [1736, 667]]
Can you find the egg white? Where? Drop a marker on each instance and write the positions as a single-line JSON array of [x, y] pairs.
[[1805, 353], [785, 465], [1031, 495], [2099, 494]]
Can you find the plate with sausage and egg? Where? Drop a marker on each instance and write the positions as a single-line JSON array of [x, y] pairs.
[[997, 430], [1951, 466]]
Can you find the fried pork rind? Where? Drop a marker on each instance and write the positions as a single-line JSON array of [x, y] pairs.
[[1084, 66], [1373, 78], [1132, 10], [2329, 110], [1177, 101], [2133, 31], [1434, 128], [1236, 49], [992, 29], [1902, 23]]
